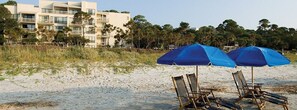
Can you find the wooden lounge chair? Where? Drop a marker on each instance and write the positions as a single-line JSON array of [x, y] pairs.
[[186, 100], [258, 86], [255, 92], [195, 88]]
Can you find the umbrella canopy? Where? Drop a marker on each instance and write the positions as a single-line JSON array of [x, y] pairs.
[[257, 56], [196, 54]]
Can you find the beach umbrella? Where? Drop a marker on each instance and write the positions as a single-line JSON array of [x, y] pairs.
[[256, 57], [196, 54]]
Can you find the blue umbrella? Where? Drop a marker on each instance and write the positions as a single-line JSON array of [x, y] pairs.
[[196, 54], [257, 56]]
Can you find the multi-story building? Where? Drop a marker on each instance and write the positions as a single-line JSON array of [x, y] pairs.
[[117, 20], [56, 15]]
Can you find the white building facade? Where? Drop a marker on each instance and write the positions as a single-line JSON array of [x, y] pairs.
[[55, 15]]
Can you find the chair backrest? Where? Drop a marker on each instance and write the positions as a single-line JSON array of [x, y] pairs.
[[193, 82], [181, 89], [240, 83], [244, 82]]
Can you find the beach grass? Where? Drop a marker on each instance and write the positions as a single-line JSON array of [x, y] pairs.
[[18, 59], [291, 56], [28, 60]]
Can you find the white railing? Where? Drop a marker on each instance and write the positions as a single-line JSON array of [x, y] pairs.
[[27, 19]]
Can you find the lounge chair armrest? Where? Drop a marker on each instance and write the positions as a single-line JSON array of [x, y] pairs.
[[258, 84], [196, 93], [274, 95], [253, 90], [255, 86]]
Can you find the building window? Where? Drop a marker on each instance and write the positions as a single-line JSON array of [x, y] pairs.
[[91, 11], [49, 27], [61, 20], [44, 10], [29, 27], [91, 38], [59, 28], [76, 30]]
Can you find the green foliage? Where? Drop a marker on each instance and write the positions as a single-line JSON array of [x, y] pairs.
[[2, 39], [60, 37], [2, 78], [125, 12], [143, 34], [114, 11], [10, 2], [77, 40], [292, 56], [8, 27], [29, 39]]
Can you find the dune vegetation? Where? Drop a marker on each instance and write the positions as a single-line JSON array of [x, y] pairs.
[[18, 59], [31, 59]]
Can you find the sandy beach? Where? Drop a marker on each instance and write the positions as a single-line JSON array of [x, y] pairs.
[[144, 88]]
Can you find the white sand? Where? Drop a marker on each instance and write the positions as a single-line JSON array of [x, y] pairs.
[[144, 88]]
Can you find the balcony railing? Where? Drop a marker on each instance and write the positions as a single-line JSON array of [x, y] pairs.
[[72, 12], [104, 20], [29, 29], [27, 19], [47, 11], [46, 21], [90, 32], [76, 32], [60, 12], [75, 24], [104, 35]]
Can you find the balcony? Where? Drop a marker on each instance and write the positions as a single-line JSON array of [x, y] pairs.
[[27, 20], [72, 12], [76, 32], [47, 10], [75, 24], [46, 22], [102, 20], [29, 29], [61, 12], [90, 32], [104, 36]]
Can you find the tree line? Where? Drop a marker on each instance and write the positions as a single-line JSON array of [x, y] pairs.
[[143, 34]]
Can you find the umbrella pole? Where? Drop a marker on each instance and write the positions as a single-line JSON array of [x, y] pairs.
[[197, 78], [252, 76]]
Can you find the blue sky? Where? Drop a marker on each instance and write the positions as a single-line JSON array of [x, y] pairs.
[[197, 13]]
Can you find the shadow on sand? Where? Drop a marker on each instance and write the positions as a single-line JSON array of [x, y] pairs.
[[88, 98]]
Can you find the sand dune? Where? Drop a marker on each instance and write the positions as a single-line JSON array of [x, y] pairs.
[[144, 88]]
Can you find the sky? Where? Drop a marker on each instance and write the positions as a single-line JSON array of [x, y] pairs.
[[197, 13]]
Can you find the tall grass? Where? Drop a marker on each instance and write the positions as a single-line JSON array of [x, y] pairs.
[[292, 57], [29, 59]]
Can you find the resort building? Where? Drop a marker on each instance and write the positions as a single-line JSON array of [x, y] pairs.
[[56, 15]]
